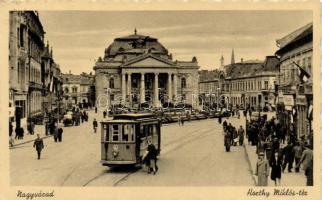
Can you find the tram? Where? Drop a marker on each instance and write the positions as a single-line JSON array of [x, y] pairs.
[[124, 139]]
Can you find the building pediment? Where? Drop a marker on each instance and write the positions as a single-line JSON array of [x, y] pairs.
[[149, 61]]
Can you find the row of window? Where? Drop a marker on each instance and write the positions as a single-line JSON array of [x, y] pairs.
[[236, 86], [249, 86]]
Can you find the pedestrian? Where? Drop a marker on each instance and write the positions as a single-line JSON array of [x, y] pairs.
[[46, 128], [82, 117], [95, 109], [39, 145], [10, 129], [32, 126], [29, 127], [307, 161], [262, 170], [297, 149], [275, 144], [95, 125], [60, 134], [151, 158], [224, 124], [235, 135], [276, 165], [288, 154], [241, 134], [17, 133], [219, 119], [55, 133], [21, 133]]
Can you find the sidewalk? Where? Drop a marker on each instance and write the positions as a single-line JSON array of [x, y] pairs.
[[287, 179], [39, 129]]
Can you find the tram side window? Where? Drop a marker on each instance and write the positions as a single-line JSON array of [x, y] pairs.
[[125, 133], [115, 133], [150, 130], [107, 133], [154, 129]]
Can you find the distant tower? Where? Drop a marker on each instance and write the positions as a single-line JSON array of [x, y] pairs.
[[232, 57], [222, 62], [135, 31]]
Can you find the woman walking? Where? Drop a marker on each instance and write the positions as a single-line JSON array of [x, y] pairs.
[[276, 165]]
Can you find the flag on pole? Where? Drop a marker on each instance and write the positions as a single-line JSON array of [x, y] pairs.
[[310, 112], [304, 75], [51, 87]]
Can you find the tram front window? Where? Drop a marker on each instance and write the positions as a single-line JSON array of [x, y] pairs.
[[128, 135], [115, 133]]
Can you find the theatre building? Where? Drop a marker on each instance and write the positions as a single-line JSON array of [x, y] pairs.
[[138, 69]]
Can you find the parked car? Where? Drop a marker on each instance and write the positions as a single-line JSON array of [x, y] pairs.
[[68, 118]]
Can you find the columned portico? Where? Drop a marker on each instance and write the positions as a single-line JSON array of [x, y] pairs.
[[169, 88], [123, 88], [156, 90], [142, 88], [174, 87], [129, 86]]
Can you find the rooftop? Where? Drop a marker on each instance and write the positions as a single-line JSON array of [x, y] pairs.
[[249, 69], [284, 41]]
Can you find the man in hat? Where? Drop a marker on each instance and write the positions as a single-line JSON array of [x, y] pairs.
[[95, 124], [288, 157], [39, 145], [307, 160], [241, 134], [262, 170]]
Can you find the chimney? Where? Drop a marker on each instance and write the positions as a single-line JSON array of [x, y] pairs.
[[70, 71], [241, 60]]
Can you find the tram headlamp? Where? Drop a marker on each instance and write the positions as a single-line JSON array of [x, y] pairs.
[[115, 154], [115, 150]]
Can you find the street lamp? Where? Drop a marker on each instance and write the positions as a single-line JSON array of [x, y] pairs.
[[218, 88]]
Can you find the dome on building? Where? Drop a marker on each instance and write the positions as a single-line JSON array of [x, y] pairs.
[[134, 44]]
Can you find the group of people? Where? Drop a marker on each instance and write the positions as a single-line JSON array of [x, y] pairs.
[[232, 136], [20, 132], [270, 138], [79, 117]]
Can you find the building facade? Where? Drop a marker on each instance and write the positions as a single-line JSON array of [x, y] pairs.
[[138, 69], [295, 92], [25, 48], [244, 84], [51, 83], [252, 83], [77, 89], [31, 67]]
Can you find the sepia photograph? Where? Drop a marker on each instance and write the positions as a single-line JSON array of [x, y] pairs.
[[161, 98]]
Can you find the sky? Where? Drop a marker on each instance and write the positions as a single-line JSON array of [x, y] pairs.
[[78, 38]]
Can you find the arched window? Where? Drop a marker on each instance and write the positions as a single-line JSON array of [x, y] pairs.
[[112, 83], [66, 90], [183, 83]]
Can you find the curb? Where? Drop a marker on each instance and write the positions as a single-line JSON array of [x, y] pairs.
[[28, 141], [250, 165]]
